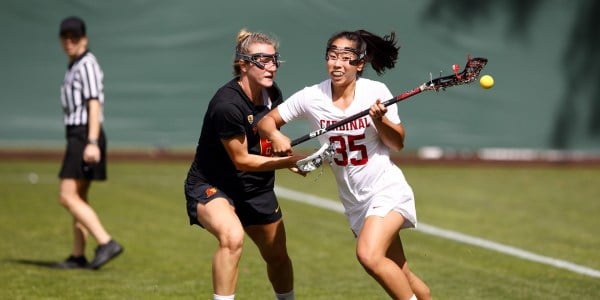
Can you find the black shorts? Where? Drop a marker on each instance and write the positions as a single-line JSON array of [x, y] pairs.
[[257, 210], [73, 165]]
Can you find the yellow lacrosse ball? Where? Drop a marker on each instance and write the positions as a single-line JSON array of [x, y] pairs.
[[486, 81]]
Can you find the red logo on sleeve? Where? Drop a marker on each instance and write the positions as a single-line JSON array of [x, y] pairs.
[[210, 191], [266, 147]]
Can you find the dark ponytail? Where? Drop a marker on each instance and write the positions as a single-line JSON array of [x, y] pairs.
[[382, 53]]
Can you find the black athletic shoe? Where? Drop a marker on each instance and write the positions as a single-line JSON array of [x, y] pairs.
[[105, 253], [72, 262]]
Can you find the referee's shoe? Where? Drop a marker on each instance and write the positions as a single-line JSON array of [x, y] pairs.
[[105, 253]]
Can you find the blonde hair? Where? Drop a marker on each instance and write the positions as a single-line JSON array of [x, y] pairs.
[[245, 39]]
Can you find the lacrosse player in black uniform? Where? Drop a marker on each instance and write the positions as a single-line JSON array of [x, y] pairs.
[[82, 99], [229, 186]]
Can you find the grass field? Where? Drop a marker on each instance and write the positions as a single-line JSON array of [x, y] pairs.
[[551, 211]]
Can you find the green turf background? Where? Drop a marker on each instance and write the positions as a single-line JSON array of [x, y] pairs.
[[550, 211]]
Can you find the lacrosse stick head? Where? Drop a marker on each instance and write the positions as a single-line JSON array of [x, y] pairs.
[[316, 160], [467, 75]]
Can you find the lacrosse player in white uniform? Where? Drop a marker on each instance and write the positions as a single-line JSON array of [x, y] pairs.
[[377, 199]]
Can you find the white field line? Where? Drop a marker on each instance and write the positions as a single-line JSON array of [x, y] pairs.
[[448, 234]]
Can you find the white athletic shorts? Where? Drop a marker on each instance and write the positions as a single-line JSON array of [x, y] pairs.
[[391, 193]]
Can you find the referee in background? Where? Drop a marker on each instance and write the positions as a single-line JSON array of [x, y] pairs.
[[85, 157]]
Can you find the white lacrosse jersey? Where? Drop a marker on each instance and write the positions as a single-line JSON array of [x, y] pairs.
[[361, 156]]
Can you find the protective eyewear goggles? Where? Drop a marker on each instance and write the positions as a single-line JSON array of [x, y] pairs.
[[345, 54], [261, 60]]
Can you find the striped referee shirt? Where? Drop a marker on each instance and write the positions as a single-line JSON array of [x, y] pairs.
[[83, 81]]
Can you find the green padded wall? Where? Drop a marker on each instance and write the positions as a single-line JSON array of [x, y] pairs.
[[163, 60]]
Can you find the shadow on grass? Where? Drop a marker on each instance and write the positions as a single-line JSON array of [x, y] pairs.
[[39, 263]]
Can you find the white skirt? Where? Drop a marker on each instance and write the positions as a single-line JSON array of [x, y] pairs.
[[391, 193]]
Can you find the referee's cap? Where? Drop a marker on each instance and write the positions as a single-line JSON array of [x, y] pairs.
[[72, 25]]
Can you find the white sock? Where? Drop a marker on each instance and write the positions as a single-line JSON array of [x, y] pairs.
[[285, 296], [413, 297], [220, 297]]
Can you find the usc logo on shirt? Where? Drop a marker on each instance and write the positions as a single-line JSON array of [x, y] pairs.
[[266, 147], [210, 191]]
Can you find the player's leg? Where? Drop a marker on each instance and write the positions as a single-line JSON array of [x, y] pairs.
[[219, 218], [396, 253], [372, 245], [271, 242]]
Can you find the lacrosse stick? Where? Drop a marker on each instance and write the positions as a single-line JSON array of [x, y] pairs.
[[468, 75]]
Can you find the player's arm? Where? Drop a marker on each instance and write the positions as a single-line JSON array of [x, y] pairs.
[[390, 133], [91, 153], [268, 128], [237, 149]]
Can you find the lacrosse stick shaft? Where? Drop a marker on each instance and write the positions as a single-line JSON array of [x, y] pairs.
[[351, 118]]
